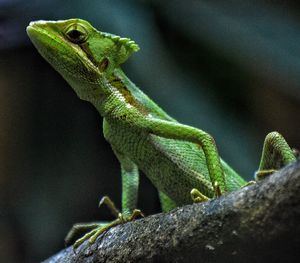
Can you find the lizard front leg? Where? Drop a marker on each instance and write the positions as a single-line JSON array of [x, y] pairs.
[[130, 182], [174, 130], [276, 154]]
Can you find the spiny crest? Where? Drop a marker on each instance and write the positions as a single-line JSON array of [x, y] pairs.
[[127, 42]]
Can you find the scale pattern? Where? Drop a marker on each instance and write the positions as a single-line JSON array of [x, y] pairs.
[[182, 165]]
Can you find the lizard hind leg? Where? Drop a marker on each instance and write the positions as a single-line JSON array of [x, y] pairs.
[[276, 154]]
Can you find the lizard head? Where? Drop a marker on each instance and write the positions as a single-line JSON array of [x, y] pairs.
[[83, 55]]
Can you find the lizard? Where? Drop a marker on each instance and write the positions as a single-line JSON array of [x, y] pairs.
[[181, 161]]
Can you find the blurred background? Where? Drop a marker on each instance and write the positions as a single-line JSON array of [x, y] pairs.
[[231, 68]]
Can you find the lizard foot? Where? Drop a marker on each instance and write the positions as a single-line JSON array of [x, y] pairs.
[[198, 197], [261, 174], [101, 228], [96, 229]]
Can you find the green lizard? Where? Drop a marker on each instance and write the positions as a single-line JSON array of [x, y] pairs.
[[181, 161]]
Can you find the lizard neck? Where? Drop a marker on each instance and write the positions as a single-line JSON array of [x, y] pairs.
[[119, 95]]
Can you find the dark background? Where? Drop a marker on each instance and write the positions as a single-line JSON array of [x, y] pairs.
[[231, 68]]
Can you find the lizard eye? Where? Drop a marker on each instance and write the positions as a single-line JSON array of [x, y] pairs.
[[76, 33]]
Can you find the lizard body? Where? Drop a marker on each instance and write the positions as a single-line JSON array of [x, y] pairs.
[[175, 157], [182, 164]]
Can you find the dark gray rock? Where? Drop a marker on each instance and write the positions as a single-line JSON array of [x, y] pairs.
[[259, 223]]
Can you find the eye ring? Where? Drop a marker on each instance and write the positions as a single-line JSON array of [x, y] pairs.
[[76, 33]]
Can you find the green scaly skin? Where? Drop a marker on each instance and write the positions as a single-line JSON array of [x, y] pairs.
[[179, 160]]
